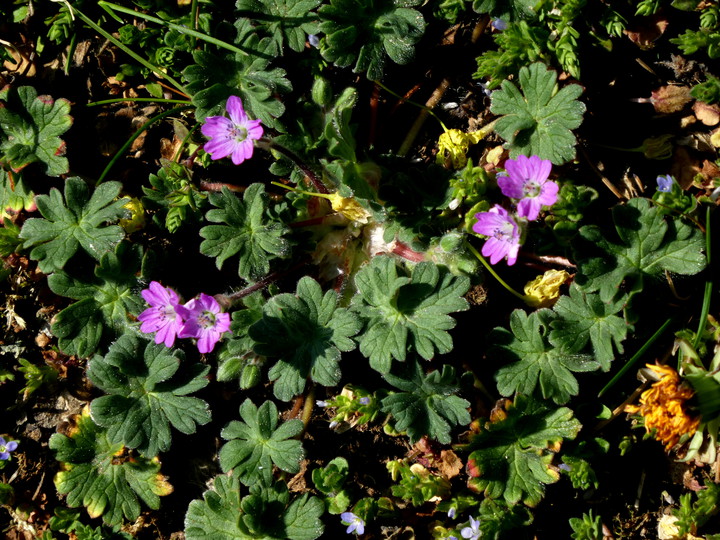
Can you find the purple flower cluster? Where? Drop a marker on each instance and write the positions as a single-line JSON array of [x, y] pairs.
[[200, 318], [526, 182]]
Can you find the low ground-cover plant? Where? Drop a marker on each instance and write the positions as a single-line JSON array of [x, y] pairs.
[[283, 307]]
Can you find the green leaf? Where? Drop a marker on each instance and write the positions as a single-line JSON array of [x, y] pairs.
[[427, 405], [307, 332], [507, 10], [247, 232], [511, 457], [649, 245], [215, 517], [406, 313], [103, 301], [585, 318], [263, 514], [30, 129], [215, 77], [365, 31], [147, 395], [103, 477], [73, 223], [537, 362], [15, 195], [283, 20], [257, 442], [541, 121]]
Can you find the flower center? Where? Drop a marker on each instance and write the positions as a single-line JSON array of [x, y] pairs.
[[504, 232], [206, 320], [238, 133], [167, 313], [531, 188]]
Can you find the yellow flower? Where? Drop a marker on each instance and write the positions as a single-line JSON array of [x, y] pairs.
[[347, 206], [543, 291], [663, 407], [137, 216], [453, 146]]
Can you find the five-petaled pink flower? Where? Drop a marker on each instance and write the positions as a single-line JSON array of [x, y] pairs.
[[502, 232], [527, 180], [161, 316], [231, 136], [204, 321]]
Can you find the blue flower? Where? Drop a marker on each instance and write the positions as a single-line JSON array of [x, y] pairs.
[[6, 448], [364, 400], [664, 183], [472, 532], [356, 525]]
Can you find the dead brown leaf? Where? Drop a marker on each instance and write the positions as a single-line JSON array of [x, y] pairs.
[[707, 114], [670, 99], [647, 31]]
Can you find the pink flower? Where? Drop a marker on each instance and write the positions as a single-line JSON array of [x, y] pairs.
[[527, 180], [231, 136], [161, 316], [502, 232], [204, 321]]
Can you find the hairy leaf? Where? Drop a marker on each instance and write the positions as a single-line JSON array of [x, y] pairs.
[[540, 119], [215, 77], [265, 513], [15, 195], [283, 20], [585, 318], [103, 476], [536, 361], [30, 129], [511, 457], [507, 10], [407, 312], [104, 301], [427, 405], [75, 222], [364, 31], [256, 442], [307, 332], [649, 245], [247, 232], [147, 395]]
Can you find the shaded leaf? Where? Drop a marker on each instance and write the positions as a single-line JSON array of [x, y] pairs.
[[307, 332], [427, 405], [511, 457], [147, 395]]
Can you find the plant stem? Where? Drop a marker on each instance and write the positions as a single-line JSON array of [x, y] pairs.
[[494, 274], [138, 99], [629, 364], [129, 142], [422, 116], [155, 69], [705, 310], [182, 29], [269, 145]]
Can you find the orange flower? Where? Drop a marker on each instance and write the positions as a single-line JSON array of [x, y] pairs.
[[663, 407]]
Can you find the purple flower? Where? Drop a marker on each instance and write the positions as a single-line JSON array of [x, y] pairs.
[[502, 232], [203, 320], [472, 532], [499, 25], [364, 400], [6, 448], [357, 525], [664, 183], [527, 180], [231, 136], [161, 316]]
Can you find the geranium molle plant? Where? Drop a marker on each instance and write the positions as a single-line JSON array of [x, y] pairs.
[[162, 316], [527, 181], [231, 136], [204, 321], [503, 234]]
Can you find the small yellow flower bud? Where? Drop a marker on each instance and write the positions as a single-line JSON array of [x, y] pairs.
[[543, 291], [136, 221], [453, 145], [348, 207]]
